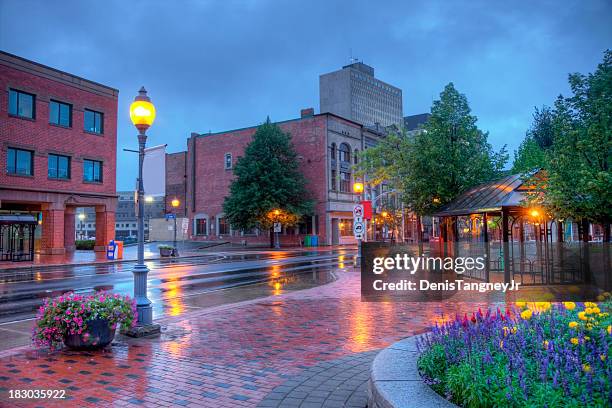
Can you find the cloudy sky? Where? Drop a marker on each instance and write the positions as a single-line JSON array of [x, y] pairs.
[[219, 65]]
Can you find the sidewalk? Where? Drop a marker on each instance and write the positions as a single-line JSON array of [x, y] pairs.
[[227, 356]]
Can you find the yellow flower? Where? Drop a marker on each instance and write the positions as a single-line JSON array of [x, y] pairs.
[[569, 305], [573, 325], [506, 330], [595, 310], [574, 340], [542, 305], [520, 304], [545, 344], [589, 326], [587, 338], [526, 314], [602, 357], [588, 310], [582, 316], [586, 368], [590, 304], [513, 331], [610, 329], [501, 344]]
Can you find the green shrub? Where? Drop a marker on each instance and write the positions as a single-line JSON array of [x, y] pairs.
[[86, 244]]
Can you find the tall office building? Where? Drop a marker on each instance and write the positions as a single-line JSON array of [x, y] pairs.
[[354, 93]]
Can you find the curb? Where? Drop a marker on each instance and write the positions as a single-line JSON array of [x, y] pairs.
[[395, 380]]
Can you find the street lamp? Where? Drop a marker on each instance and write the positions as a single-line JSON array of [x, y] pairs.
[[277, 213], [142, 114], [175, 203], [81, 219], [358, 189]]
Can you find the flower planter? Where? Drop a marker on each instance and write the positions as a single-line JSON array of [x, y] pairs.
[[165, 252], [99, 334]]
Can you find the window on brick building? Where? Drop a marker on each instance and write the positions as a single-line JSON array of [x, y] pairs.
[[59, 167], [200, 226], [93, 121], [334, 180], [345, 182], [19, 162], [92, 171], [228, 161], [22, 104], [345, 153], [333, 151], [60, 113], [224, 228]]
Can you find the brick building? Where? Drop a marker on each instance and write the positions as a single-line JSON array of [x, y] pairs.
[[58, 135], [326, 144]]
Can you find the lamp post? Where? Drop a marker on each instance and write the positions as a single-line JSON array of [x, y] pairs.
[[358, 189], [142, 114], [175, 203], [276, 240], [81, 219]]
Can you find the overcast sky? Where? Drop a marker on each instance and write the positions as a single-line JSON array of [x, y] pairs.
[[220, 65]]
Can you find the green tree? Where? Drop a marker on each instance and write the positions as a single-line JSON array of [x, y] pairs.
[[531, 155], [579, 183], [449, 156], [267, 177]]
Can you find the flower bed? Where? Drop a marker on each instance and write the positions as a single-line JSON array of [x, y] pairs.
[[533, 355], [70, 313]]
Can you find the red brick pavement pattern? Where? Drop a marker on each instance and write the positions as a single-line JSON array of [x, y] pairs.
[[229, 356]]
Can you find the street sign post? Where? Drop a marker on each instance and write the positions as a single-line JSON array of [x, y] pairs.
[[278, 227], [358, 229], [358, 211]]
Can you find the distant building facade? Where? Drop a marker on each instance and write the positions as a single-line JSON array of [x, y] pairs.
[[126, 223], [355, 94], [58, 151], [327, 146], [414, 123]]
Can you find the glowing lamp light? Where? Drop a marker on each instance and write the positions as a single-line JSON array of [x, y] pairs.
[[534, 213], [175, 203], [466, 230], [358, 187], [142, 111], [149, 199], [384, 214], [81, 216], [276, 212]]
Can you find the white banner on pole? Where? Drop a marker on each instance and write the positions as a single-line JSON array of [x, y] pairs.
[[154, 171]]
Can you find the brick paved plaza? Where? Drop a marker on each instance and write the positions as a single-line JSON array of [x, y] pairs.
[[271, 351]]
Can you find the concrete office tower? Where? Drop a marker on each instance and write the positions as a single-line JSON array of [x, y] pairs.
[[354, 93]]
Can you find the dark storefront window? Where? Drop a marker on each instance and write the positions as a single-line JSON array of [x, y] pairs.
[[21, 104], [334, 180], [19, 162], [200, 226], [223, 226], [345, 182], [60, 113], [92, 171], [59, 167], [94, 121]]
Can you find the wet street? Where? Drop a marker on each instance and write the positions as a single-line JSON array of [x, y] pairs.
[[175, 286]]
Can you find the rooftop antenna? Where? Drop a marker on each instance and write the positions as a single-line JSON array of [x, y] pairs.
[[352, 59]]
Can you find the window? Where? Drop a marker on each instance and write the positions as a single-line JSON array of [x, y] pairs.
[[333, 151], [60, 113], [200, 226], [223, 226], [59, 167], [345, 182], [228, 161], [346, 227], [19, 162], [92, 171], [355, 158], [334, 180], [21, 104], [345, 153], [94, 121]]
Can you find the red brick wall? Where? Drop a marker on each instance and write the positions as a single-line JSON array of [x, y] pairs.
[[44, 138], [175, 181], [212, 180]]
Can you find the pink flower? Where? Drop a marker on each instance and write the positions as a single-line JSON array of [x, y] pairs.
[[68, 312]]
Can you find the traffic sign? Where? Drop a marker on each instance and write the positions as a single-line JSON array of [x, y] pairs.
[[278, 227], [170, 216], [358, 229], [358, 211]]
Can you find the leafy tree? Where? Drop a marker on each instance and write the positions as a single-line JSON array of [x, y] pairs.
[[449, 156], [267, 177], [539, 138], [579, 183]]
